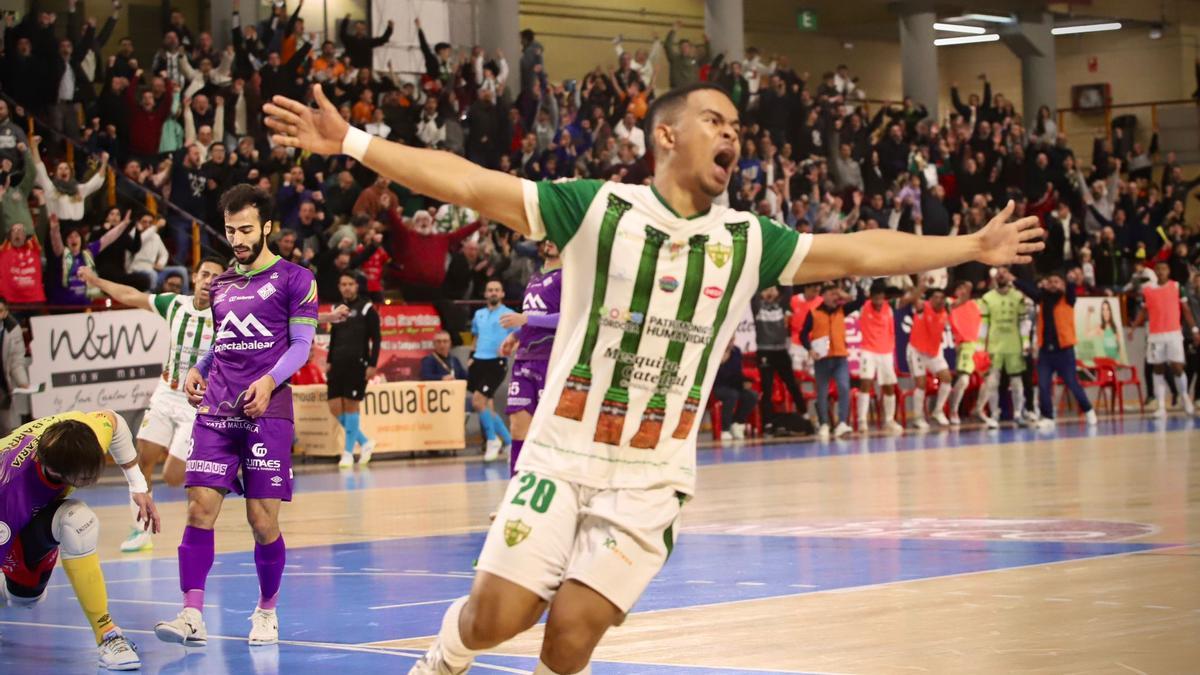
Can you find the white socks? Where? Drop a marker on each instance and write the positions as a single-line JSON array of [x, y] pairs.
[[1161, 392], [453, 652], [944, 390], [543, 669], [889, 408], [1018, 396], [959, 390], [919, 402], [864, 406], [990, 396]]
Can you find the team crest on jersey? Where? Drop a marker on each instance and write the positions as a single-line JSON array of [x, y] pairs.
[[718, 253], [267, 290], [515, 532], [668, 284]]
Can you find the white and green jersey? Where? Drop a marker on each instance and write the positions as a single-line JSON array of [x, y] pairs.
[[649, 301], [1002, 314], [191, 334]]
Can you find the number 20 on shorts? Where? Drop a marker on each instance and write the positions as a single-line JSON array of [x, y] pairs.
[[543, 493]]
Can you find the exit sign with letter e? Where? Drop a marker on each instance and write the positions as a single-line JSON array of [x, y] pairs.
[[806, 19]]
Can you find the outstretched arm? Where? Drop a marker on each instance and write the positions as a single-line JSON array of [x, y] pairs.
[[877, 253], [126, 295], [435, 173]]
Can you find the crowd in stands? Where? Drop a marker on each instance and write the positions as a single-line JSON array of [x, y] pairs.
[[181, 127]]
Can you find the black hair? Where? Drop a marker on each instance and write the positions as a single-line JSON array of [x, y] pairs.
[[527, 34], [671, 101], [879, 287], [215, 259], [353, 274], [171, 275], [71, 450], [440, 46], [243, 196]]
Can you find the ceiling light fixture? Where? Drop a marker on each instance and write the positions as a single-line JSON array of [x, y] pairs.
[[990, 18], [1085, 28], [955, 28], [965, 40]]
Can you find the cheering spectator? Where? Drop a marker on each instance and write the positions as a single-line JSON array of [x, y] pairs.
[[64, 195], [685, 64], [21, 260], [359, 45], [14, 370]]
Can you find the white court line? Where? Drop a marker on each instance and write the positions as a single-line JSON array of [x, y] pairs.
[[286, 574], [330, 567], [294, 643], [1057, 599], [158, 602], [414, 604], [699, 581], [750, 583], [803, 586], [372, 569]]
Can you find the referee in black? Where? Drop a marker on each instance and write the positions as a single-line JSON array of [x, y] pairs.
[[353, 354]]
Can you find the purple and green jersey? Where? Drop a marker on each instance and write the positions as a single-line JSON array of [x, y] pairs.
[[253, 311], [543, 295]]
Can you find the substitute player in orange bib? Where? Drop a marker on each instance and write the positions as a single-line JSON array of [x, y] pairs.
[[1164, 305], [589, 518]]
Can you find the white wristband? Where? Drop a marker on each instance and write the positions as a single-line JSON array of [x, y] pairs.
[[137, 481], [355, 143]]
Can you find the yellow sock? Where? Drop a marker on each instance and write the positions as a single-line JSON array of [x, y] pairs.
[[88, 581]]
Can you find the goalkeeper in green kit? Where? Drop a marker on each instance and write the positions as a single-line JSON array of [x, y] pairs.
[[1002, 309]]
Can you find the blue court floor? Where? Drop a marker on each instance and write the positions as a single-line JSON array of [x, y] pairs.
[[337, 599]]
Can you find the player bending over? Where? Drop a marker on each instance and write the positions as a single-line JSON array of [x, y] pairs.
[[592, 513], [41, 464], [167, 424], [265, 309]]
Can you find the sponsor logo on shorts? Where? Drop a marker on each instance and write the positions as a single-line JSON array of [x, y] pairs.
[[205, 466], [232, 423], [515, 532], [714, 292], [259, 450], [668, 284], [611, 544], [255, 464], [5, 533]]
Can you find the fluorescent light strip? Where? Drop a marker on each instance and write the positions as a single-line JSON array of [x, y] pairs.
[[955, 28], [966, 39], [1086, 28], [991, 18]]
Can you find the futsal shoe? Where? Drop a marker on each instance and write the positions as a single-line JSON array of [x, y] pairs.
[[1160, 410], [920, 424], [118, 652], [493, 450], [955, 421], [726, 435], [138, 540], [432, 664], [1189, 407], [940, 418], [842, 429], [1090, 418], [823, 432], [367, 450], [1046, 424], [893, 427], [347, 461], [739, 431], [186, 629], [264, 627], [990, 422]]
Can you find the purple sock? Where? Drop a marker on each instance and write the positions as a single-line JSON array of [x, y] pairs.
[[269, 559], [513, 454], [195, 560]]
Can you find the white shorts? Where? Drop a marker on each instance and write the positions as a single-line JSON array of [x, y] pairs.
[[919, 365], [879, 368], [548, 530], [1165, 348], [168, 421]]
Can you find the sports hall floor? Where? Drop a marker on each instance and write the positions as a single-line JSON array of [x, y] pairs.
[[954, 552]]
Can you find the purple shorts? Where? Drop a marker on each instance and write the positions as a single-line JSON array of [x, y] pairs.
[[261, 448], [525, 387]]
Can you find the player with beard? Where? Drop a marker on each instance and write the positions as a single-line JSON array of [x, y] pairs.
[[167, 425], [591, 515], [485, 370], [265, 309], [531, 344], [1002, 308]]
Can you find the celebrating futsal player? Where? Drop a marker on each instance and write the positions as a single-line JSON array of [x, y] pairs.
[[265, 309], [591, 515], [43, 463], [167, 425]]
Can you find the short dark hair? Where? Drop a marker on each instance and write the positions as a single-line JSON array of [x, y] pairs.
[[172, 275], [353, 274], [669, 104], [243, 196], [527, 34], [214, 259], [70, 449]]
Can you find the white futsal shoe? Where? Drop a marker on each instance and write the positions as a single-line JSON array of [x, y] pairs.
[[920, 424], [1046, 424], [118, 652], [264, 627], [739, 431], [186, 629], [823, 432], [990, 422], [893, 427], [1090, 418], [364, 458], [432, 664], [492, 450], [138, 540], [940, 418], [842, 429]]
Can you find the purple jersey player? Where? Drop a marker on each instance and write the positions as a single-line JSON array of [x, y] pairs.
[[538, 321], [265, 310]]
